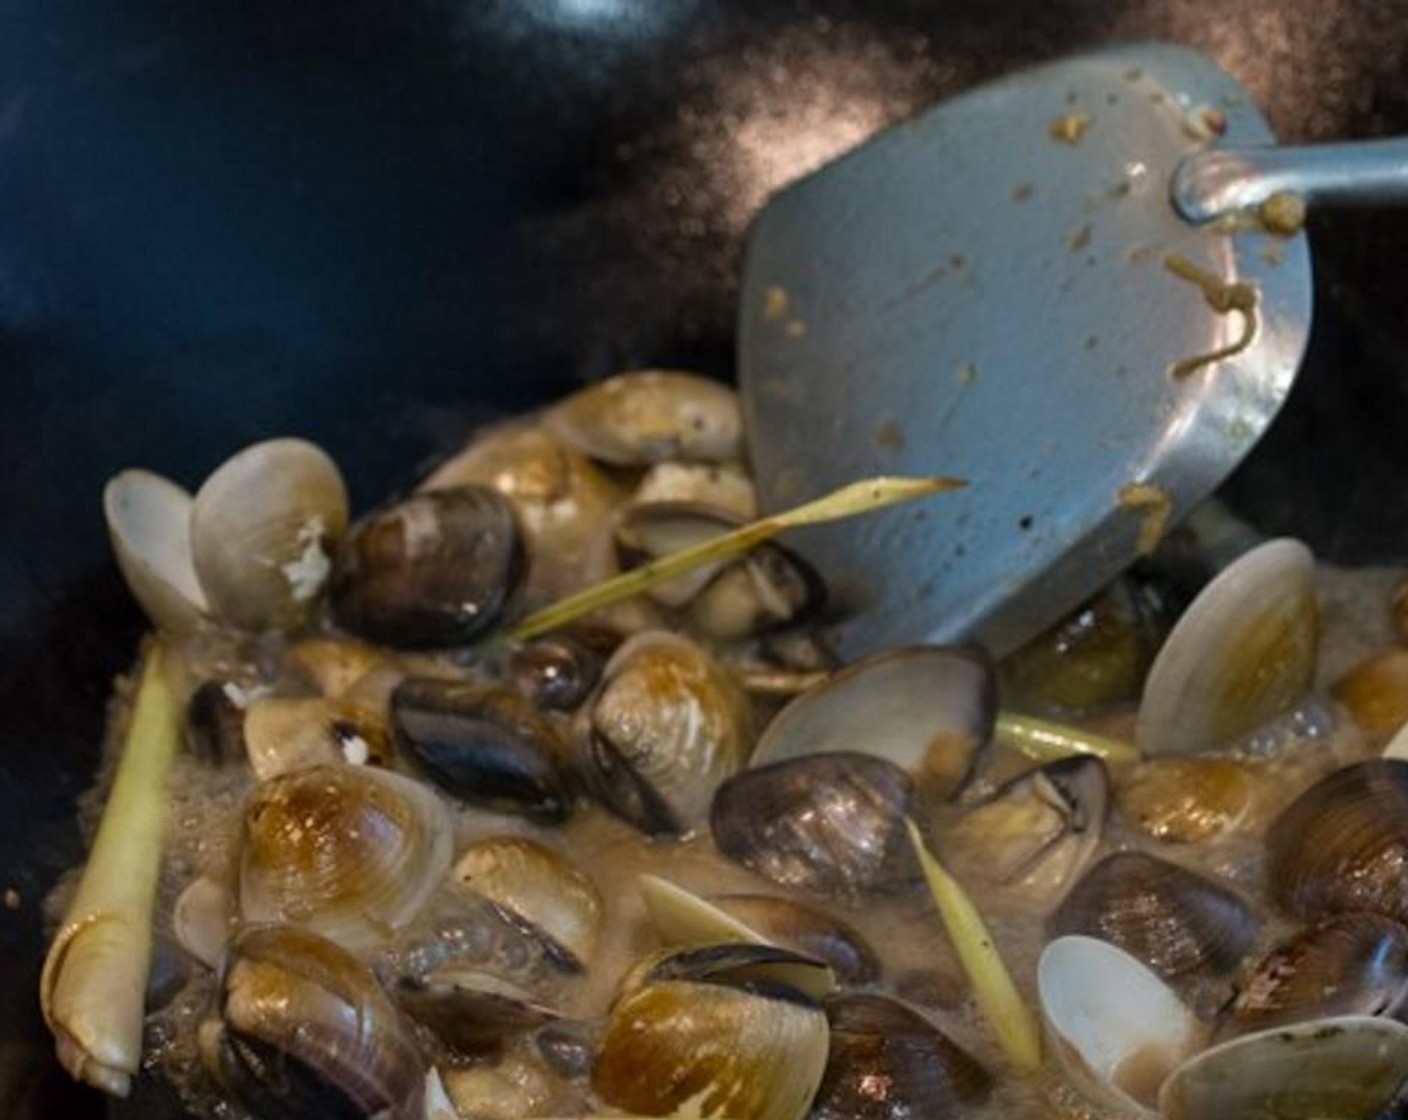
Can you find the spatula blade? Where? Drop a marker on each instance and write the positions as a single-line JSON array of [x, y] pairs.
[[984, 291]]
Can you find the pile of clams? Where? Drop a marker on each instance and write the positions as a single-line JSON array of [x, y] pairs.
[[656, 862]]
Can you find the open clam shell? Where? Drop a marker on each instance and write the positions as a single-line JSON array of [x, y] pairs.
[[1115, 1028], [283, 734], [1348, 1068], [470, 1011], [927, 709], [263, 527], [1242, 653], [149, 524]]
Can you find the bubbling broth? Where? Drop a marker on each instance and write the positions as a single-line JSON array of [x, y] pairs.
[[596, 872]]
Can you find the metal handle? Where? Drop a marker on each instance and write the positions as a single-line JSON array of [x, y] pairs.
[[1219, 181]]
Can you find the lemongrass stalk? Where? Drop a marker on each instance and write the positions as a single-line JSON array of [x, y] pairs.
[[1011, 1022], [1046, 741], [865, 496], [94, 981]]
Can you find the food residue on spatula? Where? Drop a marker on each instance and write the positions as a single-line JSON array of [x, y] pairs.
[[1223, 297], [1154, 506]]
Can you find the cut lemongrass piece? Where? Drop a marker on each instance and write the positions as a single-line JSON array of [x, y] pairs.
[[1010, 1020], [1045, 741], [95, 976], [865, 496]]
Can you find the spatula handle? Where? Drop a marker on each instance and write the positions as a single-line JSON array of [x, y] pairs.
[[1218, 181]]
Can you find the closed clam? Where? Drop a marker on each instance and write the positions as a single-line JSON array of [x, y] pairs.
[[437, 569], [1375, 692], [888, 1062], [287, 733], [561, 498], [263, 528], [665, 727], [350, 852], [927, 709], [483, 744], [303, 1029], [560, 670], [682, 917], [1036, 832], [724, 486], [1185, 800], [149, 525], [1343, 843], [709, 1031], [832, 824], [540, 891], [1348, 964], [1242, 653], [647, 416], [1174, 920]]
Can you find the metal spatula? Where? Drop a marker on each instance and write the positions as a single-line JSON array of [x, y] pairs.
[[1003, 289]]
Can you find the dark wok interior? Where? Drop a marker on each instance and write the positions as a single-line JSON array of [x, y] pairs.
[[374, 224]]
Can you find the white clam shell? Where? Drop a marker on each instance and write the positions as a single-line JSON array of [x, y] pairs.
[[149, 521], [681, 917], [1115, 1027], [262, 529], [1242, 653], [927, 709], [1346, 1068], [200, 920]]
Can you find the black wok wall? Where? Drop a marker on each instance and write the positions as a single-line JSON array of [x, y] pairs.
[[374, 224]]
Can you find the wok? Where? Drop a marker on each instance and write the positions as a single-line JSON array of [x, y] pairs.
[[375, 224]]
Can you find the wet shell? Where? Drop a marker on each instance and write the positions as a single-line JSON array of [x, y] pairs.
[[724, 486], [200, 920], [1347, 1068], [1185, 800], [287, 733], [541, 891], [1172, 919], [1116, 1029], [927, 709], [682, 917], [1342, 845], [303, 1029], [483, 744], [887, 1062], [769, 588], [832, 824], [149, 525], [438, 569], [1350, 964], [263, 527], [469, 1011], [648, 416], [1243, 652], [728, 1048], [350, 852], [214, 724], [559, 671], [334, 666], [1376, 692], [666, 726]]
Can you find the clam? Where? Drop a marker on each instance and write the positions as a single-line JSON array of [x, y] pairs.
[[1375, 692], [1172, 919], [1342, 845], [214, 724], [350, 852], [1348, 1068], [1116, 1029], [927, 709], [470, 1011], [832, 824], [1037, 831], [1348, 964], [682, 918], [647, 416], [334, 666], [287, 733], [724, 486], [686, 1033], [437, 569], [1242, 653], [483, 744], [263, 526], [888, 1062], [560, 670], [149, 524], [303, 1029], [540, 891], [1185, 800], [561, 498], [1094, 658], [200, 920], [665, 727]]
